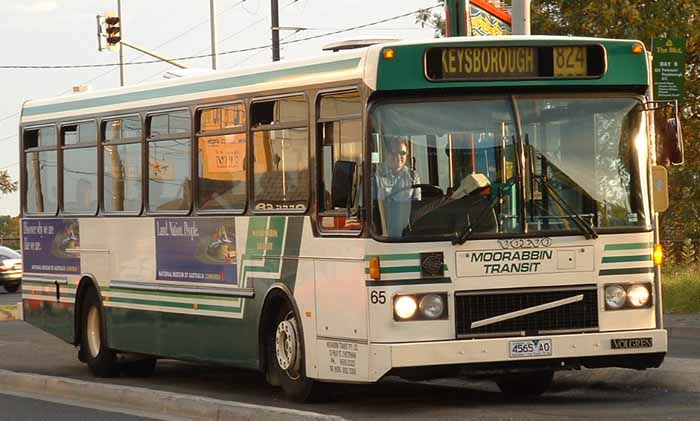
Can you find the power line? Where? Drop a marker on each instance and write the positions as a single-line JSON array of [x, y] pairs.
[[9, 116], [218, 43], [242, 50]]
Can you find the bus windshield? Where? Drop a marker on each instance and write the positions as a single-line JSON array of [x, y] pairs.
[[445, 167]]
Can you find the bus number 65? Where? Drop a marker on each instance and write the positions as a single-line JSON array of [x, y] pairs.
[[377, 297]]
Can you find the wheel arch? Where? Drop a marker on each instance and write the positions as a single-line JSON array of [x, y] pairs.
[[277, 293]]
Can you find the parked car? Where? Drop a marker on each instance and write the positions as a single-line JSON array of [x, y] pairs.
[[10, 269]]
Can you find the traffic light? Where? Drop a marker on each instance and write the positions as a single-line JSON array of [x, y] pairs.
[[114, 30]]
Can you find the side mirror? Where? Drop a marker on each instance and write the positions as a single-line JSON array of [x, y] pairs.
[[659, 180], [343, 184]]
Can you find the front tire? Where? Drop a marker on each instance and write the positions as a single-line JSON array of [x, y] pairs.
[[286, 351], [101, 360], [525, 385]]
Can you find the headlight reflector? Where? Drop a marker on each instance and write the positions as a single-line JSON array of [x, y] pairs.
[[615, 297], [432, 306], [638, 295], [405, 306]]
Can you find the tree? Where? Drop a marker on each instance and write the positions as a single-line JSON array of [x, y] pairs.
[[6, 183]]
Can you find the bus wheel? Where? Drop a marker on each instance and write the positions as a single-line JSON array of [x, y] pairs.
[[528, 384], [101, 360], [286, 348]]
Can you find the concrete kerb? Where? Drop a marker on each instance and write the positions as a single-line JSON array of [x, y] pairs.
[[147, 400]]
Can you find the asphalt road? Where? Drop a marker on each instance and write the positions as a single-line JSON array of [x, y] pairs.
[[599, 394], [6, 298], [15, 408]]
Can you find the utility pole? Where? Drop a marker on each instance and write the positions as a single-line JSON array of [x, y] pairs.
[[456, 13], [275, 26], [521, 17], [212, 11], [121, 47]]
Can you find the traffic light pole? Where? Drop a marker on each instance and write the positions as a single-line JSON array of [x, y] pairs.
[[121, 48]]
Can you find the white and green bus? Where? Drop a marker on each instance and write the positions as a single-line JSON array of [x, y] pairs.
[[421, 209]]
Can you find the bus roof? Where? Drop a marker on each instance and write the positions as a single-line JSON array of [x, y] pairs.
[[365, 64]]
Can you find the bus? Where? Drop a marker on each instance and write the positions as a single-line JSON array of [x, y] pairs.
[[450, 207]]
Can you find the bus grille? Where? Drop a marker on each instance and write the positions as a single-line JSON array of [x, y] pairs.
[[580, 316]]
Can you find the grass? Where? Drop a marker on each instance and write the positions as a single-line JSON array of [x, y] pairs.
[[681, 289]]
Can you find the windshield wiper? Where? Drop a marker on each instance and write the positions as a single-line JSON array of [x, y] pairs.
[[585, 226], [461, 238]]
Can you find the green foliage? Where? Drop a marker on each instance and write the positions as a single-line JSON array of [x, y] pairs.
[[681, 289], [669, 248], [6, 183], [688, 254], [9, 231]]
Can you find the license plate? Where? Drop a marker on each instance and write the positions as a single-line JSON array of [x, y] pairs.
[[530, 348]]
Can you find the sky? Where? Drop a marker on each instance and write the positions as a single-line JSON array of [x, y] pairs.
[[63, 32]]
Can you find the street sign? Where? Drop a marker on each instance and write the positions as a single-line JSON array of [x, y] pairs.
[[669, 68]]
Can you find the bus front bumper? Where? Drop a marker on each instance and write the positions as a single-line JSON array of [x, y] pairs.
[[637, 349]]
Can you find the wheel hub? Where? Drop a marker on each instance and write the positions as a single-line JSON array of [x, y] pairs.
[[287, 344], [93, 331]]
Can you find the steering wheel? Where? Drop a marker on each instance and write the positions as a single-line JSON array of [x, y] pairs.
[[435, 189]]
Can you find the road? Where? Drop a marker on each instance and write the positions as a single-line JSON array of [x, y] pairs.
[[599, 394], [6, 298], [17, 408]]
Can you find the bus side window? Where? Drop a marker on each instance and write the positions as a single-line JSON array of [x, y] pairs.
[[221, 143], [280, 138], [41, 171], [169, 170], [339, 130], [121, 158], [79, 149]]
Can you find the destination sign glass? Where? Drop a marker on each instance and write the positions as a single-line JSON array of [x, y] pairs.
[[514, 62]]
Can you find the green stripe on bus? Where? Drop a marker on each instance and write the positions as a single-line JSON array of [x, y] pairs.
[[401, 269], [391, 257], [193, 88], [622, 259], [628, 246], [189, 295], [625, 271], [169, 304]]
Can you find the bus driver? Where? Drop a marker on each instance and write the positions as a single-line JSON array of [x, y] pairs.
[[394, 191]]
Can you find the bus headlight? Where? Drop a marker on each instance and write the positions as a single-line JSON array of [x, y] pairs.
[[638, 295], [405, 307], [432, 306], [615, 297]]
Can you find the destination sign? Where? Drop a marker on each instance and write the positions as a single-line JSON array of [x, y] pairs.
[[514, 62]]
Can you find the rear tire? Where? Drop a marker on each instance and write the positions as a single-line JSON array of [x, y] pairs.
[[12, 288], [285, 348], [101, 360], [525, 385]]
